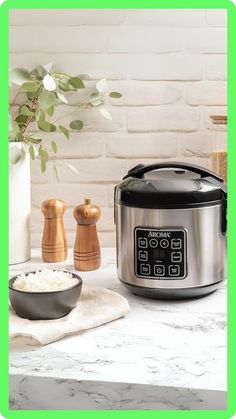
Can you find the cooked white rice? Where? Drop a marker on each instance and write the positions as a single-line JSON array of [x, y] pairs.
[[44, 281]]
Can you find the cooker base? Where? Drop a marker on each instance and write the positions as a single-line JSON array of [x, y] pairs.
[[172, 294]]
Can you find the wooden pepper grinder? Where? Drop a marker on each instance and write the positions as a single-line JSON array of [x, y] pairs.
[[54, 243], [87, 255]]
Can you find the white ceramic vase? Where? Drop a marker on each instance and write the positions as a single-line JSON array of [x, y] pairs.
[[19, 209]]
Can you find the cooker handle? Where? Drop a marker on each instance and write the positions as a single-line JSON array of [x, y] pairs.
[[139, 170]]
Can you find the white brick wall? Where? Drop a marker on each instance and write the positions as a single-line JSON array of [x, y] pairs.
[[174, 118], [212, 41], [171, 67], [216, 67], [206, 93], [144, 39]]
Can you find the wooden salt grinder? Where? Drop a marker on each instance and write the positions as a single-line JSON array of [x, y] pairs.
[[54, 243], [87, 255]]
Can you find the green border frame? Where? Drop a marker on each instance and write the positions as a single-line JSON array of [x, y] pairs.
[[118, 4]]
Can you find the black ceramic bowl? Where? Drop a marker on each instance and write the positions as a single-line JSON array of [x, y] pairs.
[[44, 305]]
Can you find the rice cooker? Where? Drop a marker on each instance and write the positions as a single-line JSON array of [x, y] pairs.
[[171, 230]]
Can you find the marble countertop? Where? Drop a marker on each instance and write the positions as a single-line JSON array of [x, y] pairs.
[[162, 355]]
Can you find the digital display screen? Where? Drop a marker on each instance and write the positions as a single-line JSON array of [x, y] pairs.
[[159, 254]]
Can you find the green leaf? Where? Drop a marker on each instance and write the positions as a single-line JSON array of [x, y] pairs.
[[64, 86], [25, 110], [115, 95], [50, 111], [39, 115], [77, 83], [53, 127], [65, 131], [46, 100], [42, 164], [21, 126], [31, 96], [46, 126], [41, 71], [43, 153], [35, 73], [77, 124], [54, 146], [30, 87], [21, 119], [96, 99], [19, 76], [31, 151], [46, 156]]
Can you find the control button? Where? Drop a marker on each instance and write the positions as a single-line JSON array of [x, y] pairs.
[[174, 270], [153, 243], [143, 255], [164, 243], [159, 270], [176, 243], [176, 257], [145, 269], [142, 242]]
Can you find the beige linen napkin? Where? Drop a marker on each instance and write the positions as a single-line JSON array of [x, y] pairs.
[[95, 307]]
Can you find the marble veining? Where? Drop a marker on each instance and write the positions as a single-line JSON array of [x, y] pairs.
[[163, 355], [32, 393]]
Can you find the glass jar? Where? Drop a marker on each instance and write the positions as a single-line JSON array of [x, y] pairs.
[[219, 149]]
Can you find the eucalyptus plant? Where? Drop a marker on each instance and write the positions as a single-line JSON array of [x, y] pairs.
[[31, 110]]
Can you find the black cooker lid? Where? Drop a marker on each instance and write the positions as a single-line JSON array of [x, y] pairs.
[[170, 185]]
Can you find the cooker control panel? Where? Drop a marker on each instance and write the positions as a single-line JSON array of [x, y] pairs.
[[160, 253]]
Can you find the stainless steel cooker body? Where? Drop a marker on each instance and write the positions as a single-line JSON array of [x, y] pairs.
[[200, 230], [205, 247]]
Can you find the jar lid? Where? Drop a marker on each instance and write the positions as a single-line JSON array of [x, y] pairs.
[[170, 185]]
